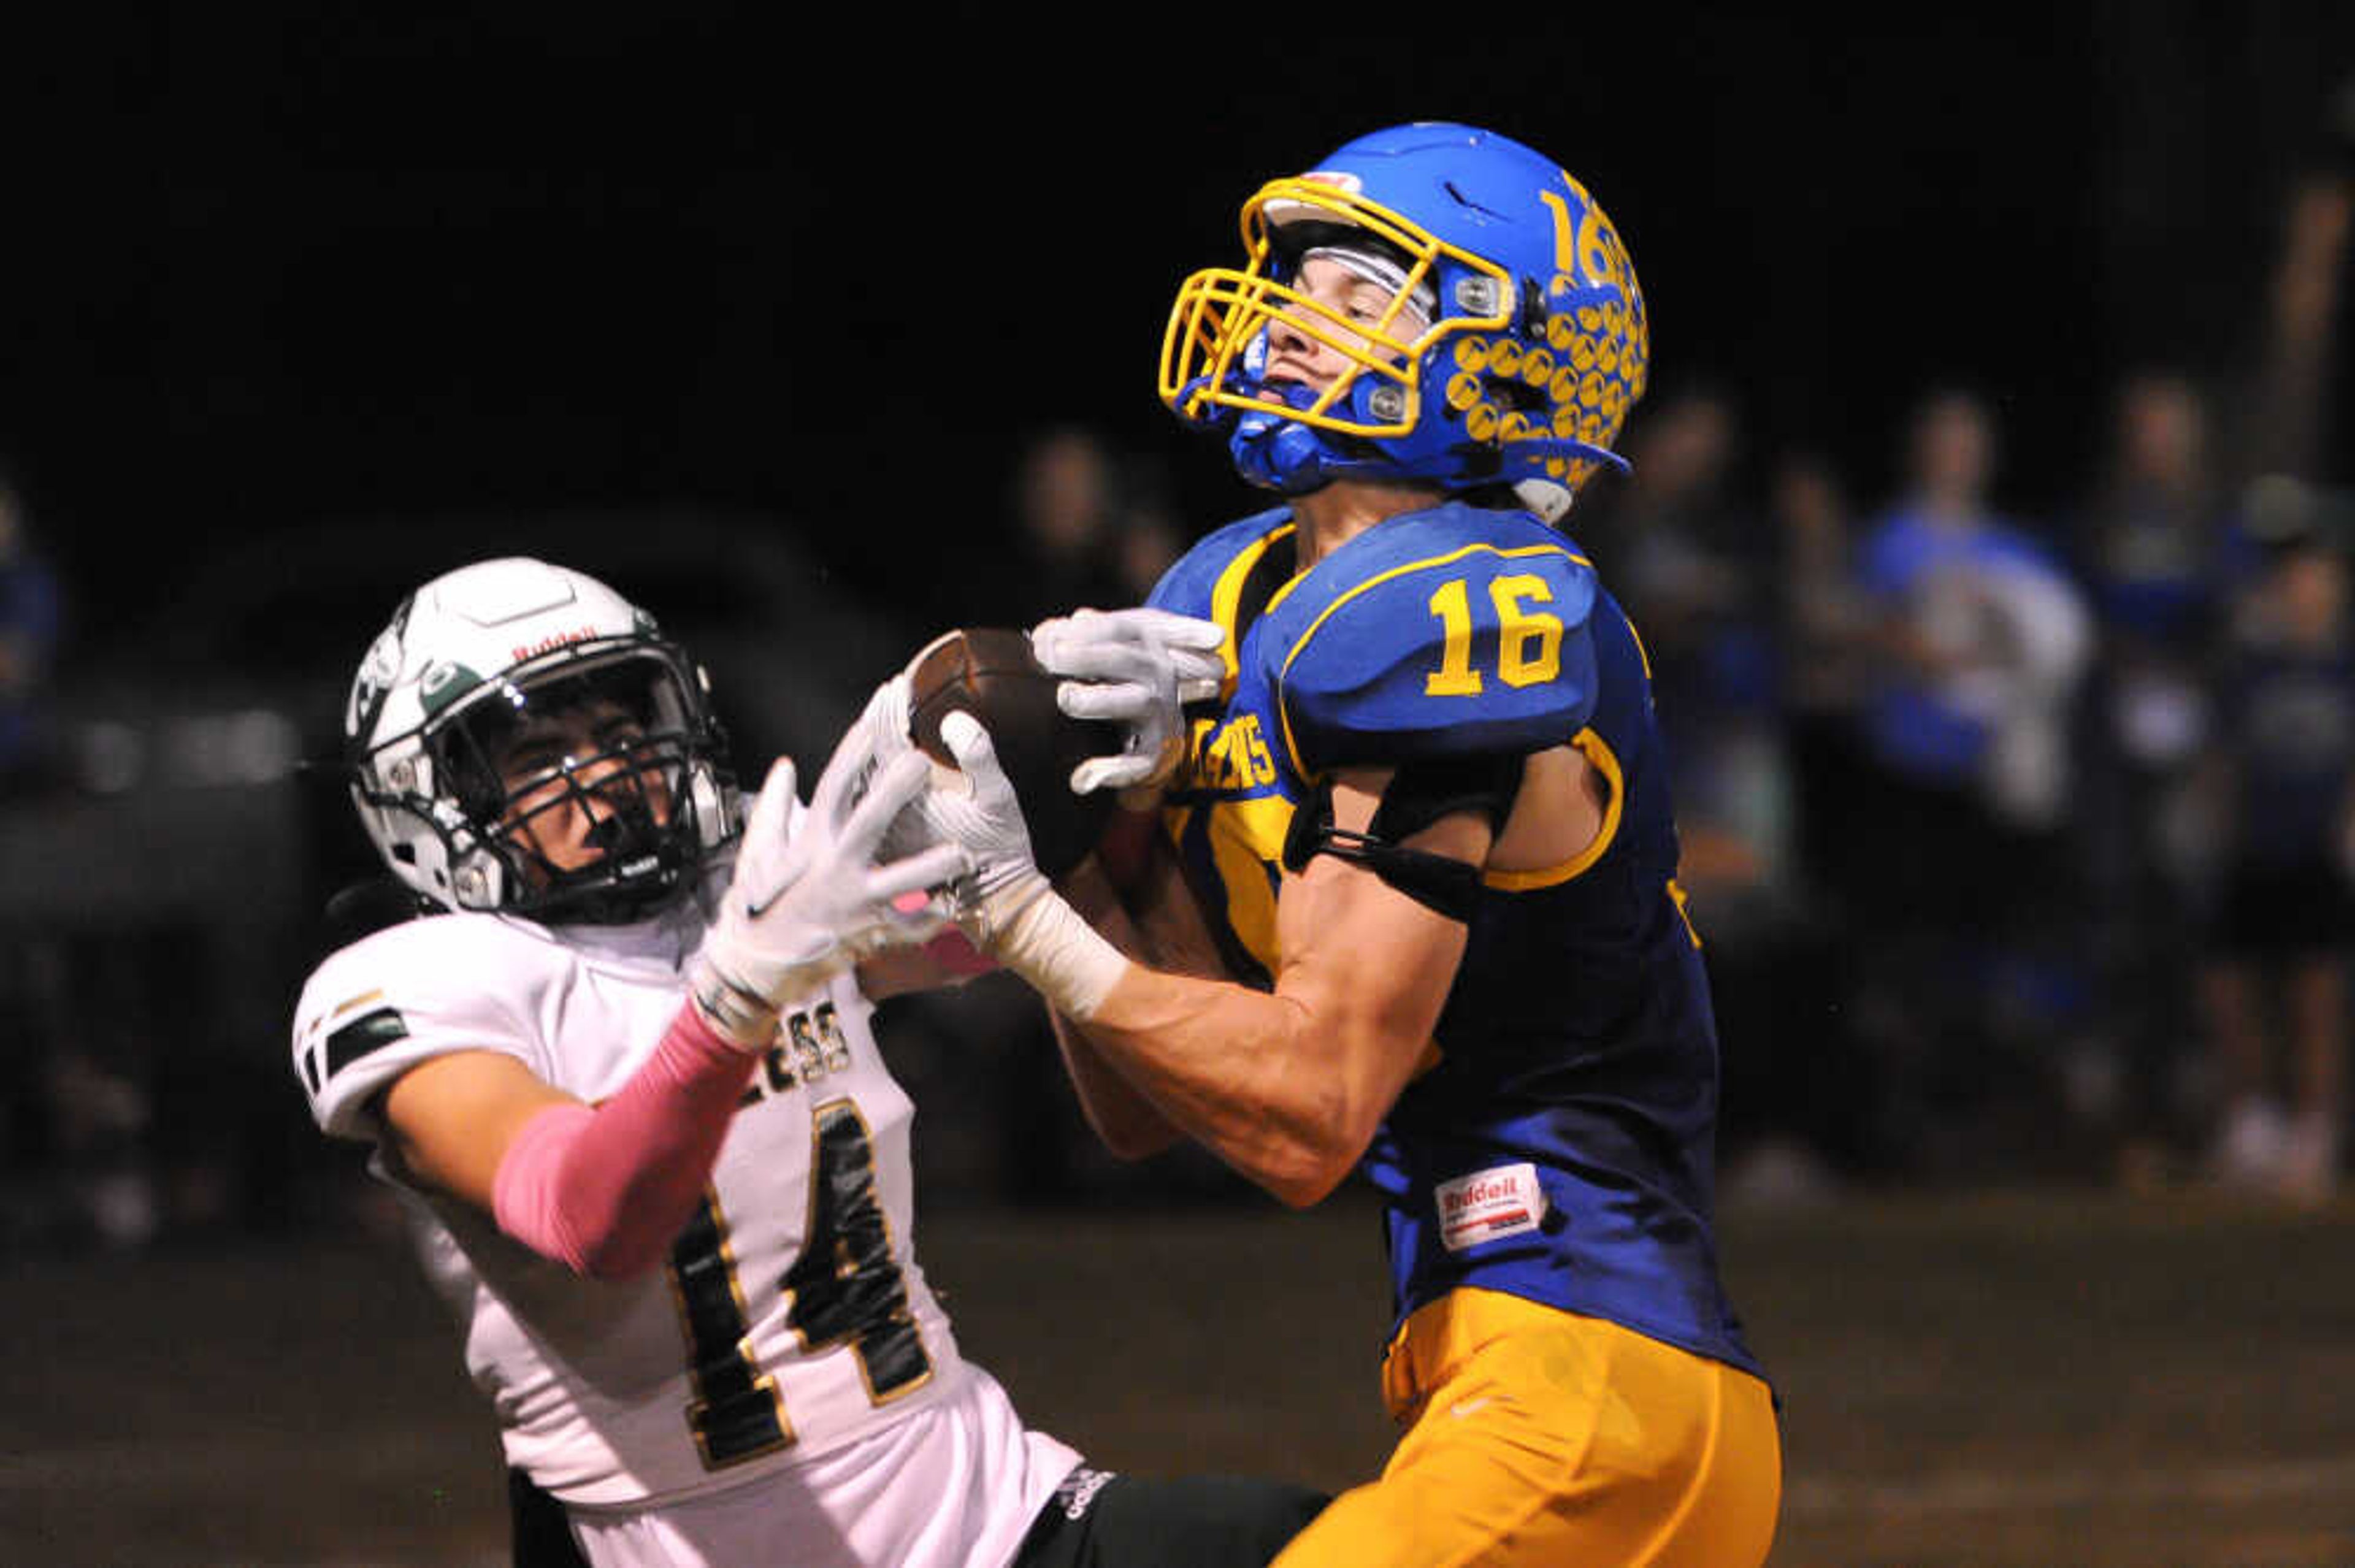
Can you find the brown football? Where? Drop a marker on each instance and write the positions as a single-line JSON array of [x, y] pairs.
[[991, 673]]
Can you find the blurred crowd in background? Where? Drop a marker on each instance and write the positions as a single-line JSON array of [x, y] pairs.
[[2023, 846]]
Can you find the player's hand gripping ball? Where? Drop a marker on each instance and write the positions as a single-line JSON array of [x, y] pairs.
[[991, 673]]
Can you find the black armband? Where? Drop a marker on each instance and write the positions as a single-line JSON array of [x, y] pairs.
[[1418, 795]]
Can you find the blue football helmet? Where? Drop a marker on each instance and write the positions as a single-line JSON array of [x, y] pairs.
[[1513, 346]]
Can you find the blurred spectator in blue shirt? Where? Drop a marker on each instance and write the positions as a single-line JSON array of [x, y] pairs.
[[2254, 836], [1991, 633], [2283, 783], [2160, 554], [2159, 549], [1979, 642]]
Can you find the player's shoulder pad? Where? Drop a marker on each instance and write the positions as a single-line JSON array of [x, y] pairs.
[[422, 988], [1192, 585], [1440, 633]]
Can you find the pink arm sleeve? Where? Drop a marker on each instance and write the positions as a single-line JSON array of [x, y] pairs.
[[604, 1190]]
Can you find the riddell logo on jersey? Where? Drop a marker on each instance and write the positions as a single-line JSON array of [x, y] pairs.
[[1482, 1190], [557, 641], [1503, 1202]]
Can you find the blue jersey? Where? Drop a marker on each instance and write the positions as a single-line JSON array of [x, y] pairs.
[[1560, 1148], [2289, 727]]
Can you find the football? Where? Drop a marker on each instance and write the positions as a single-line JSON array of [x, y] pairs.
[[991, 673]]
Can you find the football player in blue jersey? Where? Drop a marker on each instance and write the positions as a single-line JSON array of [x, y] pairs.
[[1424, 827]]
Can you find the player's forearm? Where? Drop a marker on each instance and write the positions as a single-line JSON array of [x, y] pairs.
[[1268, 1082], [1125, 1121], [1288, 1087], [1273, 1084], [605, 1190]]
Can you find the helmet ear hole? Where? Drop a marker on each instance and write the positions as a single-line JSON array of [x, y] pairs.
[[1517, 393], [1536, 320]]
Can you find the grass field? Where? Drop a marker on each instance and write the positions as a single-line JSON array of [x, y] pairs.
[[2015, 1378]]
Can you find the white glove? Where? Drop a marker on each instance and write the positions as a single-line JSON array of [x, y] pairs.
[[1004, 903], [973, 808], [1138, 667], [884, 723], [801, 909]]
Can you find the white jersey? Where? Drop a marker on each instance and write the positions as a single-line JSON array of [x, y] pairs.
[[790, 1339]]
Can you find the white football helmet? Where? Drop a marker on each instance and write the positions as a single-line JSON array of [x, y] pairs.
[[467, 661]]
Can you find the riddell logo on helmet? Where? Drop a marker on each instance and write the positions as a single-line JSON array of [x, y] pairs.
[[559, 640]]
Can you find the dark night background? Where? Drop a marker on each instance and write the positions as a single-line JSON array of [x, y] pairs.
[[755, 315], [755, 312], [285, 268]]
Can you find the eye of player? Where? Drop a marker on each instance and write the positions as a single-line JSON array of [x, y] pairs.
[[572, 739], [1362, 284], [550, 741]]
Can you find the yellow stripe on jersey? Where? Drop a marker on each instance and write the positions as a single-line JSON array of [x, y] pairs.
[[1681, 899], [1598, 751], [1227, 597], [1284, 711], [1283, 591], [1642, 655], [1246, 841]]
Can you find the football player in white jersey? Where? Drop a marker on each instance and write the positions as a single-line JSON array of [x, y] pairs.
[[618, 1068]]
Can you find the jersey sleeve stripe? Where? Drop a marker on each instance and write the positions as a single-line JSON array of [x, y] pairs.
[[1227, 594], [367, 1033], [1598, 751], [1283, 709], [363, 999]]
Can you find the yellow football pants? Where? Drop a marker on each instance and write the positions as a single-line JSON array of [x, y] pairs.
[[1538, 1438]]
